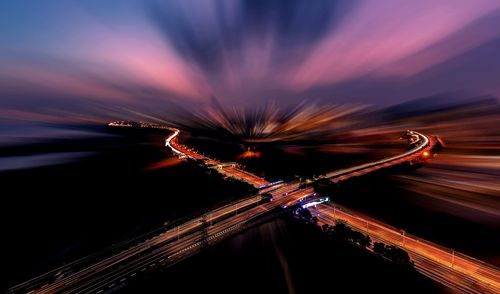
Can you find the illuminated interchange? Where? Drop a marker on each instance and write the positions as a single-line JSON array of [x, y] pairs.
[[172, 244], [136, 134]]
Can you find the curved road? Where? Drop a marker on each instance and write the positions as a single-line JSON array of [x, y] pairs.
[[172, 245]]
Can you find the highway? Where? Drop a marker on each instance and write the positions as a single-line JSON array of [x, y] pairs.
[[173, 244], [161, 250], [184, 151], [163, 236], [170, 253], [462, 273], [457, 271], [423, 146], [244, 176]]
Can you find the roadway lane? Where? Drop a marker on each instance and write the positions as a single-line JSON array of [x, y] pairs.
[[191, 235], [244, 176], [109, 272], [105, 277], [162, 254], [424, 144], [140, 248], [457, 271], [183, 151]]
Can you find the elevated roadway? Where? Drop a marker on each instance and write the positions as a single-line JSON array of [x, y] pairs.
[[457, 271], [171, 245]]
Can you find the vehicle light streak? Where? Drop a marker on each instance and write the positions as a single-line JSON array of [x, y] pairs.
[[453, 269], [177, 243]]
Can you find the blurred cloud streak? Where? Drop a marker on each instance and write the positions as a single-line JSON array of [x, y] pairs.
[[131, 54]]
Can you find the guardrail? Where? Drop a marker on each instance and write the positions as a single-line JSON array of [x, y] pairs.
[[486, 274]]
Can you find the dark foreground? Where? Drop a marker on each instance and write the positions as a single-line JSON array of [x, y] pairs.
[[126, 185]]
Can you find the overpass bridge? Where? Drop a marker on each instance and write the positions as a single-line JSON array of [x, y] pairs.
[[452, 269], [169, 245]]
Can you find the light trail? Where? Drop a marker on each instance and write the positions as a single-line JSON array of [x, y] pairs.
[[171, 142], [175, 244], [425, 145], [452, 269]]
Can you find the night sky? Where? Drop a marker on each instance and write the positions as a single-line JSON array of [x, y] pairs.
[[92, 58]]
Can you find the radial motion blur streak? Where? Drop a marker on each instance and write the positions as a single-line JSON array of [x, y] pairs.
[[116, 59]]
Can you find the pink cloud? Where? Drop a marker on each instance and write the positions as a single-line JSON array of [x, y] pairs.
[[380, 33]]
